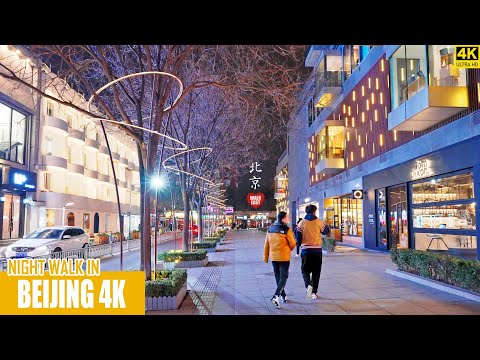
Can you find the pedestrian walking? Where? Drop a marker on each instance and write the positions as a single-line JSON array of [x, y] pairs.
[[310, 230], [298, 237], [279, 244]]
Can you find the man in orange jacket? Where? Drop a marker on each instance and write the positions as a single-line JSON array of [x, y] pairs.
[[279, 244]]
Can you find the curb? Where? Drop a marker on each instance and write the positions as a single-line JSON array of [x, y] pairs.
[[435, 284]]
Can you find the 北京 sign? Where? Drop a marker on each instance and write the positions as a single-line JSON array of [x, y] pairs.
[[19, 179]]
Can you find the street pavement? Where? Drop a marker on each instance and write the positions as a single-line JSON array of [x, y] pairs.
[[353, 281]]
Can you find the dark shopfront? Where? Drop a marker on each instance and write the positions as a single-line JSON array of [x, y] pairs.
[[426, 204], [15, 185]]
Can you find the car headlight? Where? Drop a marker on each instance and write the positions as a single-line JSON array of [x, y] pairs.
[[44, 248]]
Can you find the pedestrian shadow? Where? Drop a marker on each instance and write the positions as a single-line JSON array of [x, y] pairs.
[[223, 250]]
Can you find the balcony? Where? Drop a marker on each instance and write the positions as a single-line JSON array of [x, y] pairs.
[[75, 168], [55, 163], [131, 165], [330, 148], [56, 125], [76, 136], [93, 144], [103, 150], [91, 174], [115, 156], [427, 107], [314, 53], [123, 161], [122, 184], [328, 78], [137, 168], [103, 177]]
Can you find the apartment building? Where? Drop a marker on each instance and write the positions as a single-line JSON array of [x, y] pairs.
[[281, 184], [68, 165], [385, 144]]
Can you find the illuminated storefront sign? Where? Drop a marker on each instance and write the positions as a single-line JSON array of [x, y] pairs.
[[228, 210], [422, 169], [20, 180]]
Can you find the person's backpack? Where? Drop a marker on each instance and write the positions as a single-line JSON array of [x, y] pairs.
[[326, 229]]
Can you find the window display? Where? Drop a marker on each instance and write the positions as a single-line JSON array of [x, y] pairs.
[[445, 206]]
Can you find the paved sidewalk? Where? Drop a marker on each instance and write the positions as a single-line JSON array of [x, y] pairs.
[[353, 281]]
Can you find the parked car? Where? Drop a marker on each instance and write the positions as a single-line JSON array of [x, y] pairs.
[[46, 240]]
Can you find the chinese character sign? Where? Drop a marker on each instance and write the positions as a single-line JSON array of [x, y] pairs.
[[255, 167]]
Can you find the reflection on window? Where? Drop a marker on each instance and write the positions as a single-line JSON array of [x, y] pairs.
[[330, 143], [12, 134], [329, 73], [407, 72], [458, 216], [443, 189]]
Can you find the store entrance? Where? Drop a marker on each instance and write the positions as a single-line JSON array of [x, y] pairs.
[[11, 216]]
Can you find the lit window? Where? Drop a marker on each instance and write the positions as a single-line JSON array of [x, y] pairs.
[[363, 154], [376, 115], [381, 139], [395, 135], [363, 117]]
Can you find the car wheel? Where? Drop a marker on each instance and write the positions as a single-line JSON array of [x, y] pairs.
[[55, 253]]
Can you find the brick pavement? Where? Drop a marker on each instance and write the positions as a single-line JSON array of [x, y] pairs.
[[353, 281]]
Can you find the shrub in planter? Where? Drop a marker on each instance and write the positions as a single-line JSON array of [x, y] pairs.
[[328, 244], [205, 245], [445, 268], [101, 239], [179, 255], [135, 234], [167, 283]]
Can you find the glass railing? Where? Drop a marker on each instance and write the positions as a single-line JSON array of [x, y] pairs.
[[328, 79]]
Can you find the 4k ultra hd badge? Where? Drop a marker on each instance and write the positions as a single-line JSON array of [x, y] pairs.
[[466, 56]]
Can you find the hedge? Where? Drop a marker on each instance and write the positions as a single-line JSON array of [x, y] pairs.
[[328, 244], [179, 255], [167, 283], [205, 245], [445, 268]]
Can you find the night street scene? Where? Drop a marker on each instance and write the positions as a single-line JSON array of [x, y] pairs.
[[247, 179]]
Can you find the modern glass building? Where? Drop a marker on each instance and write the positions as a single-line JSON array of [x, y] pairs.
[[384, 140]]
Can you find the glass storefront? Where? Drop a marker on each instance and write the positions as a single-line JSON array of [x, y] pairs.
[[444, 213], [11, 216], [344, 215], [301, 209], [13, 126]]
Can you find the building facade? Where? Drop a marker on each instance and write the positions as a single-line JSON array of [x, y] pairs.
[[62, 155], [385, 141]]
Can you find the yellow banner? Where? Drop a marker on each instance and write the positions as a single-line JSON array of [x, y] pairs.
[[467, 56], [34, 291]]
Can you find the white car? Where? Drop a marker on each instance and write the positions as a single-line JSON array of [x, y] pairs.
[[47, 240]]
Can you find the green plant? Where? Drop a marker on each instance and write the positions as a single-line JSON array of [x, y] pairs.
[[328, 244], [205, 245], [445, 268], [179, 255], [167, 283]]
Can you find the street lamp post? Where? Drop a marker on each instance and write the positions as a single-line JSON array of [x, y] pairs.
[[158, 182], [63, 211]]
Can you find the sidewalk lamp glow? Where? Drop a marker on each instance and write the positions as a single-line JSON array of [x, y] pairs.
[[158, 182]]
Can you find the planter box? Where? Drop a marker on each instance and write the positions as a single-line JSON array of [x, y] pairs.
[[100, 240], [166, 302], [185, 264]]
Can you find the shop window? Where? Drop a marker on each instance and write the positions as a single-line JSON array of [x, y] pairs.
[[444, 214], [398, 217], [70, 219], [50, 217], [382, 238], [351, 216]]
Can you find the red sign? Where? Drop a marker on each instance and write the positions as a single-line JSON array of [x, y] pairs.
[[255, 200]]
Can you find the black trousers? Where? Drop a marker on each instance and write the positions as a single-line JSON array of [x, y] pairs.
[[280, 268], [312, 264], [298, 249]]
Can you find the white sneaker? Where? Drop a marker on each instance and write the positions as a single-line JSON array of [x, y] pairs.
[[283, 299], [275, 302], [314, 296], [296, 255], [309, 291]]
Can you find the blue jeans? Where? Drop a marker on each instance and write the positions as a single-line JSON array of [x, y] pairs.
[[280, 268]]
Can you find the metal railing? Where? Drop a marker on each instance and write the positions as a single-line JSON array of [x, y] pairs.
[[86, 253]]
